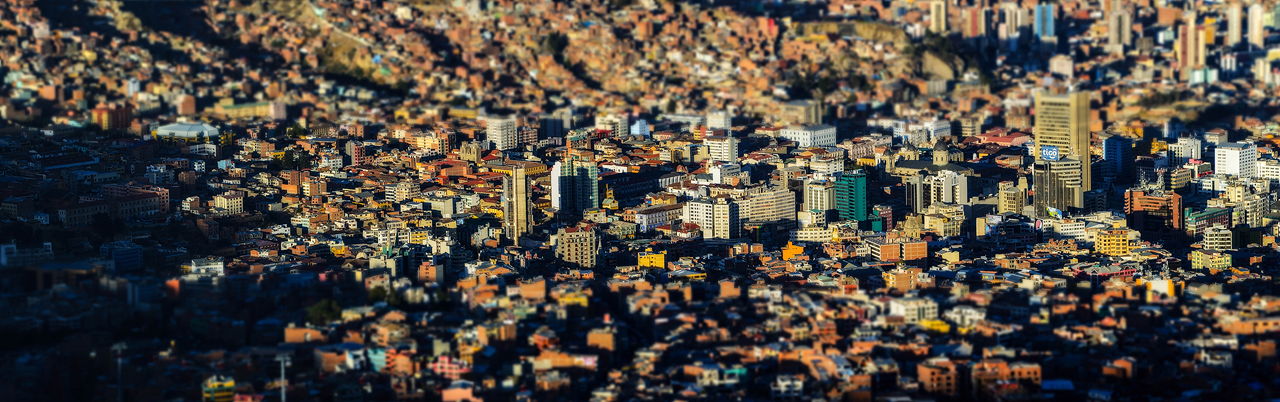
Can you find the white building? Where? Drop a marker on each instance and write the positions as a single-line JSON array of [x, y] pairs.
[[818, 135], [1186, 149], [722, 148], [501, 131], [913, 309], [820, 196], [619, 124], [933, 129], [640, 128], [718, 217], [720, 120], [1239, 159]]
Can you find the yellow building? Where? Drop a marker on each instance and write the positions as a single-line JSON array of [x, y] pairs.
[[1210, 260], [253, 110], [218, 389], [936, 326], [791, 251], [1114, 242], [652, 259]]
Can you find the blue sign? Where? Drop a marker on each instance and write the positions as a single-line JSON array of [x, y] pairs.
[[1048, 152]]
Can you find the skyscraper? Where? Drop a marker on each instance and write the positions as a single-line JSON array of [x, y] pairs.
[[819, 196], [1011, 198], [722, 148], [1186, 149], [1237, 159], [517, 206], [1234, 23], [1044, 21], [501, 131], [574, 185], [1117, 158], [718, 217], [938, 17], [1119, 30], [1257, 33], [1155, 214], [851, 196], [1058, 185], [1062, 130]]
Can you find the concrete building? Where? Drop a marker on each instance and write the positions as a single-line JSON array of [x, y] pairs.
[[1117, 158], [914, 309], [574, 186], [819, 196], [722, 148], [851, 196], [718, 217], [818, 135], [1238, 159], [1058, 185], [501, 132], [1011, 198], [517, 204], [1062, 130], [578, 246], [719, 120]]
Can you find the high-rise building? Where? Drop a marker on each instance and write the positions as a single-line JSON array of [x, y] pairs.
[[1119, 30], [1117, 158], [975, 22], [578, 246], [851, 196], [718, 217], [1113, 242], [402, 191], [917, 192], [802, 112], [1155, 214], [1011, 198], [574, 185], [550, 126], [1217, 238], [1257, 33], [938, 17], [501, 131], [1062, 130], [1186, 149], [719, 120], [947, 187], [723, 148], [1044, 20], [1236, 158], [1058, 185], [517, 204], [619, 124], [944, 187], [1191, 41], [640, 128], [773, 204], [1235, 21], [819, 196]]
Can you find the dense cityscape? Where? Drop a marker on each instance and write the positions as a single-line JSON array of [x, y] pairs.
[[639, 200]]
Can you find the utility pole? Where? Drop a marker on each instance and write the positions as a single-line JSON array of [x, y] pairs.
[[119, 348], [284, 361]]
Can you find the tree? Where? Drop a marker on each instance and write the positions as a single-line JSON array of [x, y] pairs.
[[377, 294], [324, 312], [394, 298]]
